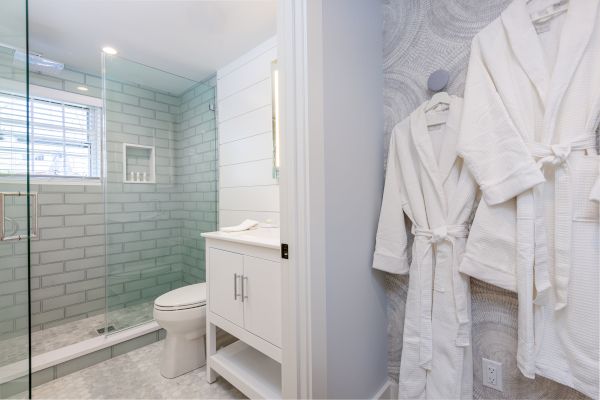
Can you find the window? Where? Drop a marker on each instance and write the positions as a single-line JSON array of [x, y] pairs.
[[64, 138]]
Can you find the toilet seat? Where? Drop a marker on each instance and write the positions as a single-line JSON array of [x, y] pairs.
[[184, 298]]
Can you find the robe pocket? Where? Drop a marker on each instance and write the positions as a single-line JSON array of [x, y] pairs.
[[583, 178]]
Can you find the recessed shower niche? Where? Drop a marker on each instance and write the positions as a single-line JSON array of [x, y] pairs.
[[138, 163]]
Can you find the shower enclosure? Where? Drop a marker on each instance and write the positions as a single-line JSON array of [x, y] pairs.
[[107, 180], [14, 222]]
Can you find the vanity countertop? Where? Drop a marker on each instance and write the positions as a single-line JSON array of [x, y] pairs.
[[262, 237]]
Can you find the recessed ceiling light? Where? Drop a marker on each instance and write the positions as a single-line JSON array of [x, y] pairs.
[[109, 50], [82, 88]]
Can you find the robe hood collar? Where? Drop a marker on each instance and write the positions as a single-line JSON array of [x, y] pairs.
[[526, 45]]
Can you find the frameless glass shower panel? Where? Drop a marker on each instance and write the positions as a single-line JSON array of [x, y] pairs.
[[160, 188], [14, 199]]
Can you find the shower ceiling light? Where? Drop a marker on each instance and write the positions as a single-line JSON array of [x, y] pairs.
[[82, 88], [109, 50]]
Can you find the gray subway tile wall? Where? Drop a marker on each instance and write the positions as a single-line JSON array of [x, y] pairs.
[[154, 241]]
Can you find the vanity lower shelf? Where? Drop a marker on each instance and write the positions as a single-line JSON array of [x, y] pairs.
[[253, 373]]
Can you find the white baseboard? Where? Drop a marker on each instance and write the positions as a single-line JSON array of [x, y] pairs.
[[387, 392]]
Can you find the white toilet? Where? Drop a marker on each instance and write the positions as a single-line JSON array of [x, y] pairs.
[[182, 313]]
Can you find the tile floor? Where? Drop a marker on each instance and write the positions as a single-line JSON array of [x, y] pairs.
[[135, 375]]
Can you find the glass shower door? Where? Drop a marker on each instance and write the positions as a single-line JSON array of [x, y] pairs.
[[160, 189], [16, 218]]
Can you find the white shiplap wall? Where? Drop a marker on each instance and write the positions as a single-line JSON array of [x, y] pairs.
[[247, 188]]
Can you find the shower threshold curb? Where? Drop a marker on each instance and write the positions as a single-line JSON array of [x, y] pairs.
[[56, 357]]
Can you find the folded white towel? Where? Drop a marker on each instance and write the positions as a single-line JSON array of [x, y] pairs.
[[244, 226]]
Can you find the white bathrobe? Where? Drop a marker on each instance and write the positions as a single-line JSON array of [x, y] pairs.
[[527, 135], [427, 183]]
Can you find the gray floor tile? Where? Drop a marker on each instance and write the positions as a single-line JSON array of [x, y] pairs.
[[135, 375]]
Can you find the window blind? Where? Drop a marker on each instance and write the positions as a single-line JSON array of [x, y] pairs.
[[64, 138]]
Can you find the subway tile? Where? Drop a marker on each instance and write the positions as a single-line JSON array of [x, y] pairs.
[[164, 98], [46, 244], [63, 301], [85, 285], [139, 111], [93, 209], [78, 220], [48, 316], [138, 92], [77, 198], [153, 123], [56, 233], [51, 198], [95, 272], [95, 229], [123, 119], [84, 241], [122, 97], [66, 277], [62, 188], [84, 307], [124, 257], [141, 245], [50, 222], [155, 105], [70, 209], [95, 251], [84, 263], [61, 255], [45, 269], [94, 294], [47, 292], [140, 284]]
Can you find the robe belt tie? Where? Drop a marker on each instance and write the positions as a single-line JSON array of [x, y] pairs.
[[426, 277], [556, 155]]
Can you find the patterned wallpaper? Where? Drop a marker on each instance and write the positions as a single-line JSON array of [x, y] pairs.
[[421, 36]]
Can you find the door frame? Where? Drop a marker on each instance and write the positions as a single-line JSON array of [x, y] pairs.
[[294, 202]]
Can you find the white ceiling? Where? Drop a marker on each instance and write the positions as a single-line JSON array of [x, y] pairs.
[[190, 38]]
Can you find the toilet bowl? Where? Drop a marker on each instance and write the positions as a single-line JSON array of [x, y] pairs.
[[182, 313]]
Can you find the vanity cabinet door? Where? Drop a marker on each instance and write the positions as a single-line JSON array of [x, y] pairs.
[[224, 278], [262, 298]]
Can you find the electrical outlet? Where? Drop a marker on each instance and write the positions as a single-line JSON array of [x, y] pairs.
[[492, 374]]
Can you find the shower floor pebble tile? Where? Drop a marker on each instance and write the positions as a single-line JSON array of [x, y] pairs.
[[15, 349], [135, 375]]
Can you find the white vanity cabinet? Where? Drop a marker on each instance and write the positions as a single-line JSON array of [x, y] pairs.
[[246, 291], [243, 275]]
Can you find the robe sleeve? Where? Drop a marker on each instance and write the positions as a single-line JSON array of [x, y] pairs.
[[391, 244], [490, 143]]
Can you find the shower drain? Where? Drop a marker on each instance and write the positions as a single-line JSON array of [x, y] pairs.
[[102, 330]]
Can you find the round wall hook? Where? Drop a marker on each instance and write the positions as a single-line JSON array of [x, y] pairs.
[[438, 80]]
